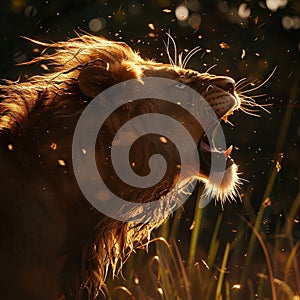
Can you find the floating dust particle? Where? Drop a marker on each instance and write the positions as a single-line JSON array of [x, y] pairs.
[[10, 147], [278, 166], [192, 226], [133, 164], [278, 162], [44, 67], [136, 281], [267, 202], [163, 139], [207, 50], [160, 290], [61, 162], [205, 264], [224, 45], [257, 54], [53, 146], [151, 26], [236, 287], [256, 20], [243, 54], [36, 50], [152, 35], [200, 37], [166, 10], [83, 151]]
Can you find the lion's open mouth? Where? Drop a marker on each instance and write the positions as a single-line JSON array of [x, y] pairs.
[[217, 169], [206, 152]]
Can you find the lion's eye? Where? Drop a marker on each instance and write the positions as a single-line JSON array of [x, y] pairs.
[[179, 85]]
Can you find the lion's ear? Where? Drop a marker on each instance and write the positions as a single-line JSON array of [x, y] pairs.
[[93, 80]]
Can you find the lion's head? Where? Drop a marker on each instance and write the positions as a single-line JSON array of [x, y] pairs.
[[67, 245]]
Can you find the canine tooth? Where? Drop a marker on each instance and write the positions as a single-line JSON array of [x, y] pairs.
[[224, 118], [228, 151]]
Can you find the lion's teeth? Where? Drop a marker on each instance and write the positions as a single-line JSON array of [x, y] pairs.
[[225, 118], [228, 151]]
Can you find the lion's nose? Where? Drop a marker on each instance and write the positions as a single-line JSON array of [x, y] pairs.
[[224, 99], [227, 84]]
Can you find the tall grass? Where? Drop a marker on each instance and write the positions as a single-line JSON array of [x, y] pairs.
[[163, 273]]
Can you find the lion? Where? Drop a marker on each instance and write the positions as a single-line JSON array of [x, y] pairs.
[[54, 244]]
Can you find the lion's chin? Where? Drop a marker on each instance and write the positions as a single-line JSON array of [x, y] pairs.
[[222, 186]]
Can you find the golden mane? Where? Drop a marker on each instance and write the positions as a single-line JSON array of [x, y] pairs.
[[68, 59]]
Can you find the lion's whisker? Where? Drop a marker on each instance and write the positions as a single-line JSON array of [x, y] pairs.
[[210, 68], [240, 81], [249, 112], [263, 83], [175, 48], [190, 55], [168, 53], [249, 101]]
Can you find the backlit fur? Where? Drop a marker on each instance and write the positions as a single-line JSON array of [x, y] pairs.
[[67, 246]]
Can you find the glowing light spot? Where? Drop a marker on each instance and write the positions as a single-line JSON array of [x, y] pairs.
[[10, 147], [243, 11], [192, 226], [267, 202], [236, 287], [296, 22], [182, 13], [163, 139], [224, 45], [160, 290], [167, 11], [61, 162], [287, 22], [83, 151], [44, 67], [205, 264], [195, 20], [151, 26], [243, 54], [53, 146], [97, 24], [273, 5]]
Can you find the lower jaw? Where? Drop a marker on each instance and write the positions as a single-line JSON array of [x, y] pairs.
[[222, 186]]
